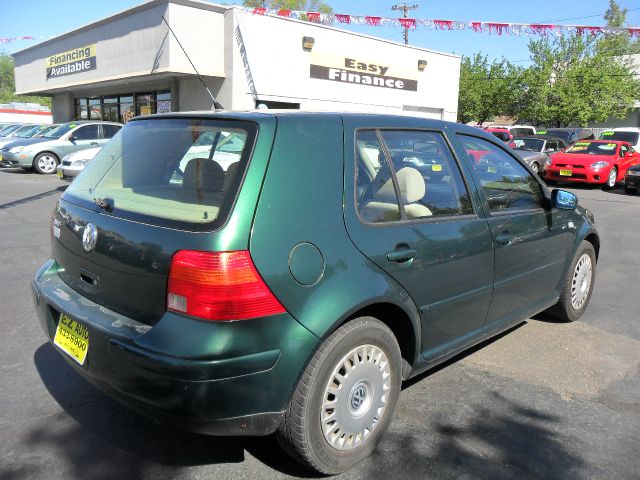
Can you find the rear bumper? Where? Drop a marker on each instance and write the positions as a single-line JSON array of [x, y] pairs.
[[240, 387]]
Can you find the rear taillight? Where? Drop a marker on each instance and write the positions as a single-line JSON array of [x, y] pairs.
[[218, 286]]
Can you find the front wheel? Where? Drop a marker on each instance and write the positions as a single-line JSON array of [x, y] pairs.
[[45, 163], [535, 167], [578, 285], [345, 398], [611, 179]]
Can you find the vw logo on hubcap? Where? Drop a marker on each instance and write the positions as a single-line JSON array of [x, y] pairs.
[[89, 237], [358, 397]]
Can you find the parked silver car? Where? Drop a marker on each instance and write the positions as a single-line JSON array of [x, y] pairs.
[[536, 150], [43, 154]]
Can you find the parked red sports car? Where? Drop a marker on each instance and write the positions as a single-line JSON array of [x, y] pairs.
[[592, 161]]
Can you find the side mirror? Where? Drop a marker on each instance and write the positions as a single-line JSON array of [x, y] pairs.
[[550, 150], [563, 200], [72, 138]]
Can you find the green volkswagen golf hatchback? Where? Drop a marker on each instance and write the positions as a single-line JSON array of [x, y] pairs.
[[291, 275]]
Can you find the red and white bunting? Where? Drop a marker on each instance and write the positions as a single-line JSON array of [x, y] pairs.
[[478, 27]]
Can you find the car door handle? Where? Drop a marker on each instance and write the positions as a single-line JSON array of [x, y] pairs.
[[401, 255], [95, 144], [504, 238]]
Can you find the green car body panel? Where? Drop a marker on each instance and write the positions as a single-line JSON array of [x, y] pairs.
[[295, 213]]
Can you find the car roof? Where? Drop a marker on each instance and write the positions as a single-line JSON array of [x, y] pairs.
[[624, 129], [90, 122]]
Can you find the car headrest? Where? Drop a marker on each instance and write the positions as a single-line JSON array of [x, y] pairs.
[[411, 184], [232, 170], [203, 174]]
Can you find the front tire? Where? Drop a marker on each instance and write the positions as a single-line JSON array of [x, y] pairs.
[[611, 179], [535, 168], [45, 163], [578, 286], [345, 398]]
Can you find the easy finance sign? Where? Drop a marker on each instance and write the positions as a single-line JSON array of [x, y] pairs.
[[354, 70], [78, 60]]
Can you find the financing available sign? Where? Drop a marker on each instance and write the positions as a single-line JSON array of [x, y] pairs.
[[82, 59], [355, 70]]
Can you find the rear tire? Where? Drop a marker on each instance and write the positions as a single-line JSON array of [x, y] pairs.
[[578, 286], [45, 163], [345, 398]]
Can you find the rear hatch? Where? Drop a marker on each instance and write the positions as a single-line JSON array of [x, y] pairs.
[[160, 185]]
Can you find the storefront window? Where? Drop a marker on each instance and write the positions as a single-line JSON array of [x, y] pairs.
[[110, 109], [81, 109], [163, 103], [126, 108], [95, 112], [144, 103], [122, 108]]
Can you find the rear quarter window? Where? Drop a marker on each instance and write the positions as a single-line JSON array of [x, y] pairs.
[[175, 172]]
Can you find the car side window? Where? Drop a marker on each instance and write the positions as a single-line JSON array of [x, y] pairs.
[[376, 198], [88, 132], [429, 178], [414, 168], [507, 185], [109, 131], [623, 150]]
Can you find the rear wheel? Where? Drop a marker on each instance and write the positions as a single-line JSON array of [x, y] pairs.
[[578, 285], [345, 398], [611, 179], [45, 163]]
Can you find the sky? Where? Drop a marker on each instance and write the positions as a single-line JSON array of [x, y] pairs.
[[46, 18]]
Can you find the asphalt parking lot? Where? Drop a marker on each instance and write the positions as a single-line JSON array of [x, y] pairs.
[[546, 400]]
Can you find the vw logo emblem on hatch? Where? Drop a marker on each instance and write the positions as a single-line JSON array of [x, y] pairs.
[[89, 237]]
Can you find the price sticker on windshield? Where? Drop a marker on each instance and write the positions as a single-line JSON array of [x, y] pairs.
[[607, 134]]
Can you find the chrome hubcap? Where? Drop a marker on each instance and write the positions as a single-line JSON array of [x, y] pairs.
[[612, 177], [355, 397], [534, 167], [47, 163], [581, 282]]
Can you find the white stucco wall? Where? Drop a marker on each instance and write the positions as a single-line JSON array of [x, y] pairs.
[[280, 69], [135, 50]]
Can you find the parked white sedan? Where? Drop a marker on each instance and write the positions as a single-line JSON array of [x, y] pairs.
[[72, 164]]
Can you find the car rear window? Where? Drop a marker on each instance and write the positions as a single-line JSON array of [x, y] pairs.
[[629, 137], [175, 172]]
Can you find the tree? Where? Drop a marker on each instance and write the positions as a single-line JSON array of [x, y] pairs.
[[301, 5], [572, 81], [487, 89], [8, 85]]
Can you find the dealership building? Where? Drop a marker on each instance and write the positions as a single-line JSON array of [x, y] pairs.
[[134, 63]]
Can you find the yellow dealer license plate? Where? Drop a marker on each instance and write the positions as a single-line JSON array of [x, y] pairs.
[[60, 173], [72, 338], [566, 173]]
